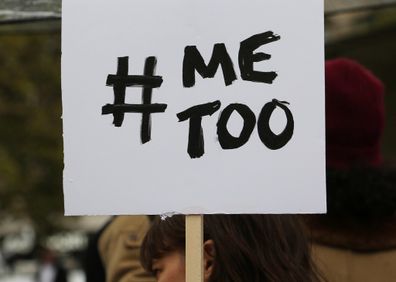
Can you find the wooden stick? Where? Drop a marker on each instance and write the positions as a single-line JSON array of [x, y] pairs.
[[194, 248]]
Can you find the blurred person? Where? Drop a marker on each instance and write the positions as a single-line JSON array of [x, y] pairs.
[[113, 252], [356, 239], [2, 263], [236, 248], [50, 269]]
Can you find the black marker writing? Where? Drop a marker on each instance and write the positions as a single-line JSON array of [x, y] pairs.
[[271, 140], [195, 134], [193, 61], [246, 57], [121, 81], [227, 141]]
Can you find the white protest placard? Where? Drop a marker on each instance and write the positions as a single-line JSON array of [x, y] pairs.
[[209, 106]]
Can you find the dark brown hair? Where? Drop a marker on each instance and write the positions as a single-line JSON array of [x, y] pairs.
[[252, 248]]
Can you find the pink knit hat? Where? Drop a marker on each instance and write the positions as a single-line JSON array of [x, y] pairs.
[[354, 115]]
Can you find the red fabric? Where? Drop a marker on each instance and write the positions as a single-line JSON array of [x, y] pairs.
[[354, 115]]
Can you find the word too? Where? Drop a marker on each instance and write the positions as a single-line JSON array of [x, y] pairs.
[[273, 141]]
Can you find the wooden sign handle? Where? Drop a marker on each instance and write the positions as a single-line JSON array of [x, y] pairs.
[[194, 248]]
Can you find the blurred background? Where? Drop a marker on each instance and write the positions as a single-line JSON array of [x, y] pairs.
[[32, 226]]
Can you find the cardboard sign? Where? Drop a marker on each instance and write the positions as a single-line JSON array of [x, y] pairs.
[[210, 106]]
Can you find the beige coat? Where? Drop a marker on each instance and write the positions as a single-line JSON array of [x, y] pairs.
[[343, 265], [119, 249]]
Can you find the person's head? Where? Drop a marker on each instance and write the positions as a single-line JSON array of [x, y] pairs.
[[355, 115], [236, 248], [361, 199]]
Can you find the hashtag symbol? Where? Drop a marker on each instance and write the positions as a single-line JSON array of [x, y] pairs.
[[120, 81]]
